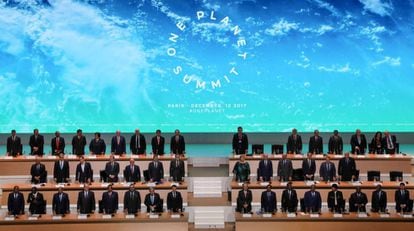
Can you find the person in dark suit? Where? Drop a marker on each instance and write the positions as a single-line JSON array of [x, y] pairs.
[[327, 171], [132, 173], [15, 202], [36, 202], [61, 170], [84, 172], [156, 170], [389, 143], [358, 201], [335, 145], [289, 199], [177, 144], [240, 142], [174, 200], [244, 200], [97, 145], [268, 200], [58, 144], [138, 144], [38, 172], [313, 201], [294, 144], [346, 168], [241, 170], [358, 143], [265, 172], [78, 143], [132, 201], [375, 146], [316, 143], [336, 203], [36, 143], [157, 143], [110, 201], [60, 204], [379, 200], [86, 201], [284, 169], [153, 201], [118, 144], [309, 167], [14, 145], [177, 169], [112, 169], [402, 200]]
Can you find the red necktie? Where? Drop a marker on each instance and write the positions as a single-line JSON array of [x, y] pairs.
[[57, 143]]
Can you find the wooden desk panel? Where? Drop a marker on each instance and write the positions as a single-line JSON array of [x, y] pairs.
[[322, 187], [21, 165], [73, 189], [96, 222], [383, 163]]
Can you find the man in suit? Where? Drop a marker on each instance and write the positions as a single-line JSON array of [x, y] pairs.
[[336, 203], [313, 201], [132, 201], [358, 143], [110, 201], [177, 169], [336, 144], [157, 143], [308, 167], [156, 170], [265, 172], [389, 142], [358, 201], [97, 145], [327, 171], [177, 144], [316, 143], [402, 200], [112, 169], [153, 201], [36, 143], [36, 202], [294, 144], [38, 172], [240, 142], [379, 200], [60, 204], [289, 199], [58, 144], [138, 144], [132, 173], [86, 201], [346, 168], [118, 144], [174, 200], [14, 145], [78, 143], [61, 169], [268, 200], [244, 200], [84, 172], [284, 169], [15, 202]]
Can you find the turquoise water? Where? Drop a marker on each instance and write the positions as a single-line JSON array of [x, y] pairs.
[[215, 150]]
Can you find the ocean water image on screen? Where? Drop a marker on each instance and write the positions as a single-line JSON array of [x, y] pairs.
[[206, 65]]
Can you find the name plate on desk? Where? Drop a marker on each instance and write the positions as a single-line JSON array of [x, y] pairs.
[[384, 215], [9, 218], [278, 156], [72, 157], [82, 216], [92, 157], [299, 156], [240, 183], [267, 215], [377, 183], [57, 218], [151, 184], [59, 185], [32, 218], [407, 216], [360, 156], [309, 183], [175, 216], [105, 185], [332, 183], [130, 216], [154, 216], [386, 156], [264, 183], [356, 183], [283, 183], [314, 215], [8, 158], [30, 157], [338, 215], [318, 156], [291, 215], [51, 157], [175, 183], [107, 216], [247, 215], [134, 156], [362, 215]]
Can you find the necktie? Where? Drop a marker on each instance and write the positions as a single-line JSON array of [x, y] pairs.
[[245, 194], [265, 163], [136, 142], [155, 164], [309, 162], [152, 199], [132, 168], [290, 194], [61, 164], [174, 194], [38, 167], [402, 193], [60, 197], [313, 194], [132, 195], [347, 161], [158, 140], [57, 143], [327, 167], [112, 166], [390, 144], [86, 194], [15, 196], [176, 163], [379, 194], [13, 138], [335, 200]]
